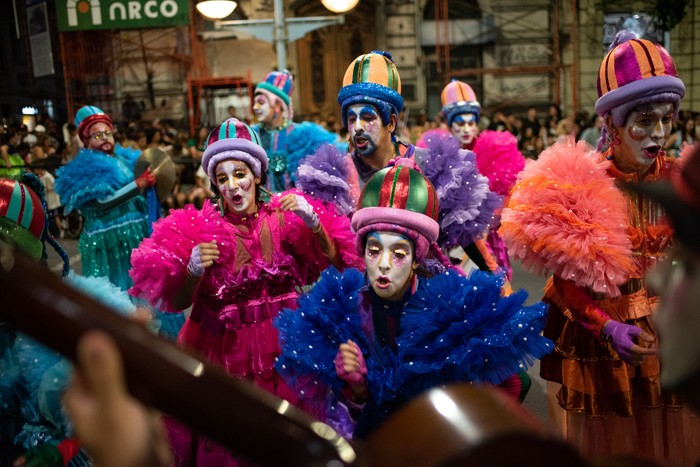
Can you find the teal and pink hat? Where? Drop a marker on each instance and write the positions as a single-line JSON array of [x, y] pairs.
[[234, 140], [279, 84], [87, 116], [22, 218], [636, 71], [459, 98], [399, 199]]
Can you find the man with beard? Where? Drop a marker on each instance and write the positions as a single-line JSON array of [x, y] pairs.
[[100, 183], [370, 102], [285, 142]]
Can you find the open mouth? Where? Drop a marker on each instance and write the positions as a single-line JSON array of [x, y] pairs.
[[652, 151], [383, 282], [361, 142], [237, 199]]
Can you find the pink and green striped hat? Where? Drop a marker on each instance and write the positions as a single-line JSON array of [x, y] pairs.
[[22, 218], [235, 140], [398, 199], [637, 71]]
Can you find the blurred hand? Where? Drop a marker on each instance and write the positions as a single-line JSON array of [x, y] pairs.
[[146, 179], [115, 428]]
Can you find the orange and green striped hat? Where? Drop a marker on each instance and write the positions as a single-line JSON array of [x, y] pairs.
[[636, 69], [401, 197], [22, 218], [459, 98], [374, 79]]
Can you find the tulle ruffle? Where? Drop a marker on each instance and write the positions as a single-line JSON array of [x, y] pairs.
[[466, 204], [499, 159], [301, 239], [159, 264], [324, 175], [567, 217], [304, 139], [453, 329], [91, 176]]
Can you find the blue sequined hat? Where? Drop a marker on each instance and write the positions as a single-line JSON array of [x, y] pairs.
[[374, 79]]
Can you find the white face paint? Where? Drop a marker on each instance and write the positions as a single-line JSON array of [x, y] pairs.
[[263, 109], [678, 317], [390, 266], [236, 183], [643, 136], [464, 128], [365, 127], [101, 138]]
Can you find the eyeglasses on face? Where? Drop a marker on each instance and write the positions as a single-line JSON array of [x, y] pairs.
[[101, 135]]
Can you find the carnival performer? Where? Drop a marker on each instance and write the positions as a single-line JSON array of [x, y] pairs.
[[33, 378], [497, 155], [370, 102], [285, 142], [238, 265], [100, 183], [571, 215], [377, 340]]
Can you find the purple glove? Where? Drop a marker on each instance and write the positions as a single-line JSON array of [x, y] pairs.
[[353, 378], [621, 337], [306, 213], [195, 267]]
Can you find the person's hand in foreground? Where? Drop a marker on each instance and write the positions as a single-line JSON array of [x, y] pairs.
[[114, 428]]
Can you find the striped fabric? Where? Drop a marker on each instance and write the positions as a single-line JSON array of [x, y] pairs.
[[233, 128], [280, 83], [399, 187], [22, 206], [457, 91], [373, 68], [631, 61]]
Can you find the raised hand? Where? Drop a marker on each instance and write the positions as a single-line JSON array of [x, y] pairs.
[[203, 256]]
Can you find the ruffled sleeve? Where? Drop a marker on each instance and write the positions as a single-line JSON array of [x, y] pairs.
[[159, 264], [460, 329], [128, 155], [466, 204], [304, 245], [499, 159], [326, 175], [566, 217], [304, 139], [91, 176]]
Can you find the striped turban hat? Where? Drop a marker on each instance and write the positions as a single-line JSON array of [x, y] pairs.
[[459, 98], [279, 84], [234, 140], [22, 217], [636, 71], [398, 199], [372, 78]]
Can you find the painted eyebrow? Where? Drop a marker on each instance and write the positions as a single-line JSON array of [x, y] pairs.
[[466, 117]]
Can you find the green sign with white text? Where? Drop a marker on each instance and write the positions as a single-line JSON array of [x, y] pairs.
[[83, 15]]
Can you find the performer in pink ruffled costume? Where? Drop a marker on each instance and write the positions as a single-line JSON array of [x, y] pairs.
[[238, 265]]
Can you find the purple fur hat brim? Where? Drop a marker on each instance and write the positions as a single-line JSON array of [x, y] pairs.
[[232, 149], [421, 223], [639, 89]]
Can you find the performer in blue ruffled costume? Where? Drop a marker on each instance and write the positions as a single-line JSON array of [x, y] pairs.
[[373, 342], [100, 183], [32, 377], [284, 141]]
